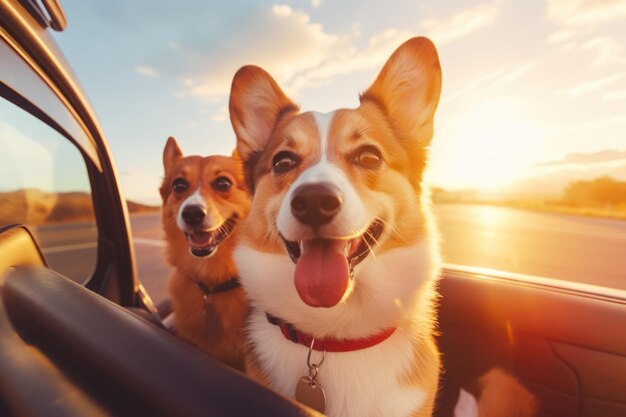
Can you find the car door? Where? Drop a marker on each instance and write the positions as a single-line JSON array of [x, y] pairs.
[[564, 341]]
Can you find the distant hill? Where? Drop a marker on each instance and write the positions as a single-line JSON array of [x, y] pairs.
[[554, 179], [601, 197], [33, 207], [134, 207]]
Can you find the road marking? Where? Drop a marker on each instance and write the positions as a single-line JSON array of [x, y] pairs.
[[150, 242], [66, 248], [78, 246]]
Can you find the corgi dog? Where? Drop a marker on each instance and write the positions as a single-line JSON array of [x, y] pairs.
[[204, 200], [339, 255]]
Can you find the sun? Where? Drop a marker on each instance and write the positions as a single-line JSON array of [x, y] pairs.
[[486, 147]]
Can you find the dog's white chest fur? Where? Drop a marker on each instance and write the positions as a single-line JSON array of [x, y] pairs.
[[368, 382], [361, 383]]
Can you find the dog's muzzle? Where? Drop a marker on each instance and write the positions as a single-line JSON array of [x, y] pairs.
[[316, 204]]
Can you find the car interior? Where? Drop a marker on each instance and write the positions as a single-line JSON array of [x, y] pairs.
[[97, 345]]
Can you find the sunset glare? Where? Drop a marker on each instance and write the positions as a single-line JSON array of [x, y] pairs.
[[525, 84]]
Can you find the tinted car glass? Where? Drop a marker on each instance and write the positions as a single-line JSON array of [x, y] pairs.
[[44, 184]]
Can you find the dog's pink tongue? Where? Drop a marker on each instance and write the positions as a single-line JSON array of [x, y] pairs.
[[322, 273]]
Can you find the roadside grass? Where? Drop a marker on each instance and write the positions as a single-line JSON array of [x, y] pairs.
[[548, 206], [616, 212]]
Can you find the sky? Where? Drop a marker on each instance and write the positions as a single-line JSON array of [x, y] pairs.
[[534, 92], [37, 156]]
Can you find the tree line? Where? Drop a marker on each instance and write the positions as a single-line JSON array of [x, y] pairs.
[[603, 192]]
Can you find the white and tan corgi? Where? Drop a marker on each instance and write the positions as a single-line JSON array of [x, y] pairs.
[[339, 251], [204, 199]]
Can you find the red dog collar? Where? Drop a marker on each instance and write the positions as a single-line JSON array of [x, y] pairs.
[[328, 344]]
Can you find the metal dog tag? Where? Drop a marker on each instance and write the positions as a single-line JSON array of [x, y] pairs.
[[308, 390], [211, 320], [310, 393]]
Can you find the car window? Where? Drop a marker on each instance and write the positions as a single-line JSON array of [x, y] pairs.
[[44, 185], [540, 242]]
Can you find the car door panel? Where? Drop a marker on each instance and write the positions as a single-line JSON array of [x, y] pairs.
[[122, 362], [602, 377], [18, 247], [565, 342], [547, 375]]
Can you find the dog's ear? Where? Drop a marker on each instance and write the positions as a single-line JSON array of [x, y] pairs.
[[256, 105], [408, 89], [240, 176], [171, 154]]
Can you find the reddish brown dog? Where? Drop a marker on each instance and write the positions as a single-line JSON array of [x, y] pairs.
[[204, 199]]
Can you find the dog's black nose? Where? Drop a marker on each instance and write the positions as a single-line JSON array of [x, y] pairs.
[[194, 214], [316, 204]]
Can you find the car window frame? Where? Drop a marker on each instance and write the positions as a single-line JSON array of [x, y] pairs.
[[74, 158], [49, 91]]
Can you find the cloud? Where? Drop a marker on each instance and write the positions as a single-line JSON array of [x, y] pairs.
[[379, 48], [262, 40], [605, 155], [513, 74], [298, 52], [591, 86], [607, 50], [492, 80], [221, 115], [146, 71], [560, 36], [585, 12], [380, 45], [578, 20], [316, 3], [458, 25], [473, 85]]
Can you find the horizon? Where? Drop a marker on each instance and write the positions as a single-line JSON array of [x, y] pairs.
[[531, 94]]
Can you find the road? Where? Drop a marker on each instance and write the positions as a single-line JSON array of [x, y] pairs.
[[152, 269], [69, 248], [567, 247]]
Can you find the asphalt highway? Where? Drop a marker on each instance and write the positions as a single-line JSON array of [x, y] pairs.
[[566, 247]]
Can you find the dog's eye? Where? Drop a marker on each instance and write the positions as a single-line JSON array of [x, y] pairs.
[[368, 157], [284, 161], [221, 184], [179, 185]]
